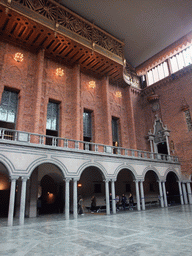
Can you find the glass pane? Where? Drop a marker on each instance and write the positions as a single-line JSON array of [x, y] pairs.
[[8, 109], [174, 65], [52, 116], [150, 77], [165, 68], [180, 60], [115, 130], [160, 71], [3, 113], [155, 74], [87, 124], [187, 56]]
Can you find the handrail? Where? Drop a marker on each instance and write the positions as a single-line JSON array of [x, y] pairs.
[[77, 145]]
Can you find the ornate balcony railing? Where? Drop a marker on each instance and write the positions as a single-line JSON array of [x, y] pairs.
[[63, 17], [27, 138]]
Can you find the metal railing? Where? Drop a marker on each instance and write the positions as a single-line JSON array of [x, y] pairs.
[[77, 145]]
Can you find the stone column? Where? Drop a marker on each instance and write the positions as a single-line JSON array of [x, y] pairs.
[[22, 201], [164, 193], [107, 196], [137, 195], [75, 198], [161, 194], [113, 196], [180, 192], [12, 201], [33, 194], [184, 193], [67, 180], [166, 133], [142, 195], [189, 192]]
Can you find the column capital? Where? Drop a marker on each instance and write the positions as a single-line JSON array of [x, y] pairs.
[[107, 180], [76, 179], [13, 177], [67, 179], [113, 180], [24, 178]]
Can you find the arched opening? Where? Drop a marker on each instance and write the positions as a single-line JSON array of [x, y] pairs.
[[91, 185], [45, 191], [124, 187], [151, 189], [172, 188], [4, 191], [162, 148]]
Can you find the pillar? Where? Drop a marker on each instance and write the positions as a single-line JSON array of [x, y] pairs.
[[184, 193], [113, 196], [189, 192], [161, 194], [107, 196], [33, 194], [106, 113], [142, 195], [180, 192], [137, 195], [12, 201], [67, 180], [22, 201], [75, 198], [164, 193], [37, 110]]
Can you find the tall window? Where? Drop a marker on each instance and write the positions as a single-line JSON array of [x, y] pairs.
[[115, 131], [87, 125], [8, 109], [52, 127]]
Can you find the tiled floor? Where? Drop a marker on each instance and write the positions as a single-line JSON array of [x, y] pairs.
[[160, 231]]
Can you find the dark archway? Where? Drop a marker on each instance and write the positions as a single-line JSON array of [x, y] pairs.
[[125, 185], [91, 184], [172, 188], [4, 191], [151, 188], [45, 191]]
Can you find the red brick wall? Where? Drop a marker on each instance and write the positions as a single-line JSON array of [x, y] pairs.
[[173, 93]]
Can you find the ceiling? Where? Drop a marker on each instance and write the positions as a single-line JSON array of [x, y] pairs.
[[146, 26]]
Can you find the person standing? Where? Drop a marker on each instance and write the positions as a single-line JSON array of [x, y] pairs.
[[117, 202], [80, 205], [123, 200], [93, 204], [131, 202]]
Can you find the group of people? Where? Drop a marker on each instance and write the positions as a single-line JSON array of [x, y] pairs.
[[123, 201]]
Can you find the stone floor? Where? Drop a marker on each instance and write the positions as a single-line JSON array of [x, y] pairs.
[[160, 231]]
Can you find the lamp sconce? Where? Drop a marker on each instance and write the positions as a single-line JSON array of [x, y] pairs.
[[59, 72], [92, 84], [118, 94], [79, 185], [18, 57]]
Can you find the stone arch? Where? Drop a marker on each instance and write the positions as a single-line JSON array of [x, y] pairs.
[[55, 162], [149, 168], [94, 164], [171, 169], [128, 167], [8, 164]]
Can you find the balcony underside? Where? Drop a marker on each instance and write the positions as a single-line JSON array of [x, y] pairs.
[[27, 28]]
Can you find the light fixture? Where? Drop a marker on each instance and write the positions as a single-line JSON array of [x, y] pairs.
[[18, 57], [79, 185], [59, 72], [92, 84], [118, 94]]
